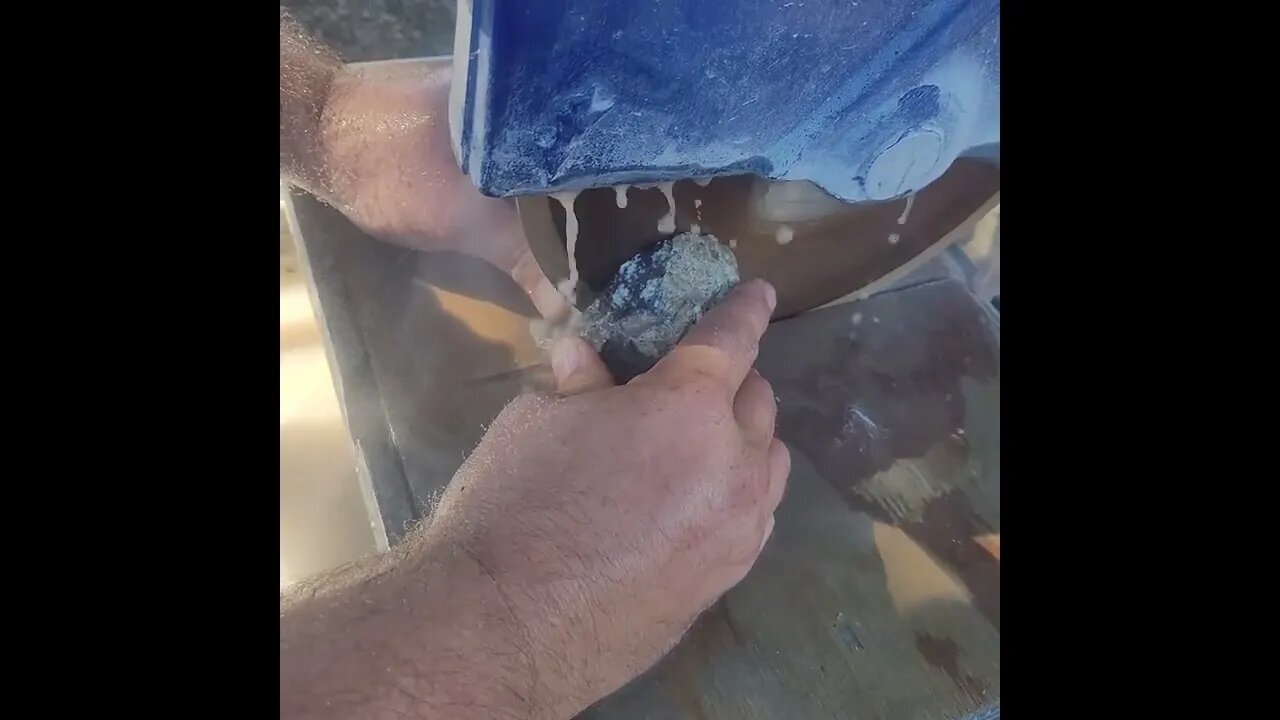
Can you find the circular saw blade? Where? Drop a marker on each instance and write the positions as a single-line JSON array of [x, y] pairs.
[[811, 247]]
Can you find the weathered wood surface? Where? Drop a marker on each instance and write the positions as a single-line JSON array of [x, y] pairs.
[[878, 594]]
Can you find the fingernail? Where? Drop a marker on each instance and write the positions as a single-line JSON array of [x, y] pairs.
[[564, 357], [770, 295]]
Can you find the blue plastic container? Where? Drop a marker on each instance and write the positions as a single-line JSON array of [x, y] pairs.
[[869, 99]]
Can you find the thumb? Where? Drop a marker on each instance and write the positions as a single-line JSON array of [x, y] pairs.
[[577, 367]]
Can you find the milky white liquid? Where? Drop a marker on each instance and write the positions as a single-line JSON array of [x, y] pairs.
[[667, 223], [569, 286]]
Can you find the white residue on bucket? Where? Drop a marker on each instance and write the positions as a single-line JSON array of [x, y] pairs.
[[621, 193], [569, 286], [784, 235], [601, 100], [902, 219], [667, 223]]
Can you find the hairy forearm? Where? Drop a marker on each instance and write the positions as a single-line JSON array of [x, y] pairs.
[[308, 71], [417, 633]]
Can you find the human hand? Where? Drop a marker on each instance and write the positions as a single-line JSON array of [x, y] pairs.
[[610, 516], [391, 170]]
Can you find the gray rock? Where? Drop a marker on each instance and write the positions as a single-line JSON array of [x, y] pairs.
[[654, 299]]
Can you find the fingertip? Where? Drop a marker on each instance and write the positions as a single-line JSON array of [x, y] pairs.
[[779, 471], [577, 367], [768, 531], [725, 341], [779, 459], [758, 288], [566, 356], [770, 294]]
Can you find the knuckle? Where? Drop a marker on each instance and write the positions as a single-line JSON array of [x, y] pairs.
[[703, 389], [743, 552], [700, 398], [766, 389], [749, 487]]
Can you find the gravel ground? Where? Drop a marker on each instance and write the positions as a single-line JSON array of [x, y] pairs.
[[362, 30]]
